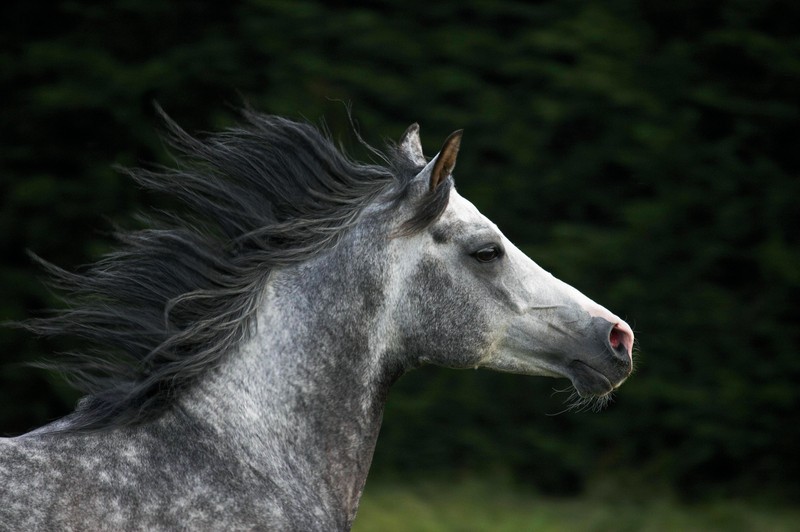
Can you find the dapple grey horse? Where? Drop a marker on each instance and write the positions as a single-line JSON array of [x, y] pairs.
[[243, 350]]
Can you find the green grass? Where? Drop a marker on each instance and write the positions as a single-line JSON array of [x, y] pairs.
[[483, 506]]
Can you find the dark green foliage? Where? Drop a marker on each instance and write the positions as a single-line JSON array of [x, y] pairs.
[[645, 152]]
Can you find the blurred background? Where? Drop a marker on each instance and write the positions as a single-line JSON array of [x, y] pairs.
[[645, 152]]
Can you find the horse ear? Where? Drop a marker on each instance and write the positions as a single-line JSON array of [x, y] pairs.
[[445, 161], [411, 146]]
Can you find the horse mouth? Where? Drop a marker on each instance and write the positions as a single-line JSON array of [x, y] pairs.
[[589, 381]]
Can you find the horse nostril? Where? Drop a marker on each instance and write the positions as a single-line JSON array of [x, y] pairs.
[[614, 337], [621, 335]]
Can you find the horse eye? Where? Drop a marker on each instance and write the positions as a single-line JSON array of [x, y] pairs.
[[487, 254]]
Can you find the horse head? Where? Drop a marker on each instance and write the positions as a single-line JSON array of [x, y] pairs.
[[473, 299]]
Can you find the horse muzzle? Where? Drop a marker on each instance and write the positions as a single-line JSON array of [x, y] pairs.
[[604, 360]]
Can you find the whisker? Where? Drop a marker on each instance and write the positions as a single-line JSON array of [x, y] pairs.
[[575, 403]]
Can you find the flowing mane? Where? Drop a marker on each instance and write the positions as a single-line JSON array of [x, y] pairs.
[[174, 298]]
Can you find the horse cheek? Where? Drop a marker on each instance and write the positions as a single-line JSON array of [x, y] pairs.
[[449, 327]]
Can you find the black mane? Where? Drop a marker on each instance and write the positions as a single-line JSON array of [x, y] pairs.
[[173, 299]]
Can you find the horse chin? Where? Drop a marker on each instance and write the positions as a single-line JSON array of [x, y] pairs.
[[588, 381]]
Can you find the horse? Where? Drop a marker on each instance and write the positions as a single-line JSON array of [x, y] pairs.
[[242, 348]]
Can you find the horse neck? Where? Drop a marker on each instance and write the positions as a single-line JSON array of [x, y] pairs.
[[303, 397]]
